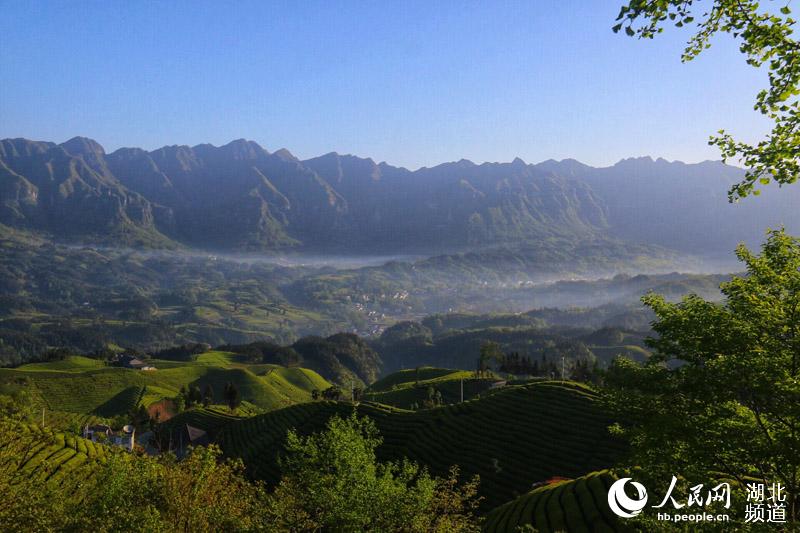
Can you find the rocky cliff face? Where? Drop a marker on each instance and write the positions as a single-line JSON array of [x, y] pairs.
[[242, 197]]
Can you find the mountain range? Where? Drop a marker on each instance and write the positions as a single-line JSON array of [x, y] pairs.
[[240, 197]]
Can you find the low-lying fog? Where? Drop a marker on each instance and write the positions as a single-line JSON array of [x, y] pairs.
[[687, 264]]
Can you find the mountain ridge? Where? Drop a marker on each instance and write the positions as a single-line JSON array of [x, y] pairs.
[[241, 197]]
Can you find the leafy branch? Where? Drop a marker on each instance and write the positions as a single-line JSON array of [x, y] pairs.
[[766, 39]]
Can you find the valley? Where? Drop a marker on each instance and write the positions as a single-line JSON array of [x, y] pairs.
[[231, 306], [399, 267], [512, 436]]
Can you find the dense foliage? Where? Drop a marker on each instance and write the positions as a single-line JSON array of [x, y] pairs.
[[332, 481], [722, 389], [456, 341]]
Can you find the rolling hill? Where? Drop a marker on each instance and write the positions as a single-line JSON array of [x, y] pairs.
[[513, 438], [84, 386]]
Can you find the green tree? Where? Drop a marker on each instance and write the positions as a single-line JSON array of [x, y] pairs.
[[332, 481], [199, 493], [490, 351], [195, 396], [231, 394], [721, 393], [765, 38], [180, 403], [208, 395], [140, 417], [358, 393], [333, 392]]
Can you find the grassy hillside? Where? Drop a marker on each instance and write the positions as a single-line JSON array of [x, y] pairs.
[[577, 505], [73, 363], [408, 387], [404, 377], [85, 386], [513, 438]]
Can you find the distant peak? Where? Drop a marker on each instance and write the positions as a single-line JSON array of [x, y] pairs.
[[640, 159], [243, 149], [285, 154], [129, 152], [566, 167], [564, 162], [82, 146], [518, 162], [242, 143]]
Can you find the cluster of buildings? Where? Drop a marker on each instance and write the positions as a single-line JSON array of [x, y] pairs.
[[125, 438]]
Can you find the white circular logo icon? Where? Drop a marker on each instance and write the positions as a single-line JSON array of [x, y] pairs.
[[621, 504]]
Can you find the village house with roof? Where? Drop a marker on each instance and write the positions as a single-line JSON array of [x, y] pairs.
[[131, 361], [104, 434]]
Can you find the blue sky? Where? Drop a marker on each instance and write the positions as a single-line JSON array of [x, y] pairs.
[[410, 83]]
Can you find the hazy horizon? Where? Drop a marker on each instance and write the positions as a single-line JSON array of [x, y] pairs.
[[410, 85], [653, 157]]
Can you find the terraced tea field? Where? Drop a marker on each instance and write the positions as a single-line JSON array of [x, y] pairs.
[[575, 506], [69, 422], [512, 439], [55, 457]]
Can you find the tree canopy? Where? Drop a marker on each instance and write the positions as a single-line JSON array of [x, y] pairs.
[[332, 481], [721, 393]]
